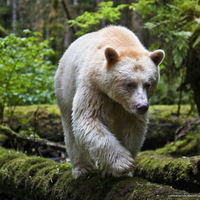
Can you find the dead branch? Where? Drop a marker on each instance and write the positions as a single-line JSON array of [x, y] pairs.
[[182, 130], [40, 142]]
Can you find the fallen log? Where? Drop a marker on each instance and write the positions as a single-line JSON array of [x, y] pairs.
[[31, 177], [182, 173], [40, 142]]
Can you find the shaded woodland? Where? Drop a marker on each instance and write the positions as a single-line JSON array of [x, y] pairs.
[[51, 19]]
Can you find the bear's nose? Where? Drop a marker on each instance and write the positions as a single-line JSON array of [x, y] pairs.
[[142, 108]]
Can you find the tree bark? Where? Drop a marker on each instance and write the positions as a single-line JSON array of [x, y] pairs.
[[69, 17], [193, 74], [1, 113], [14, 16], [40, 178], [38, 23]]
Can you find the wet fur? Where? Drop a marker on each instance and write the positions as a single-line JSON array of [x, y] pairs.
[[99, 113]]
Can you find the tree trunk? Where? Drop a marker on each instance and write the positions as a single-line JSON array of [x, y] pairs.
[[14, 23], [69, 30], [193, 75], [1, 113], [125, 14], [39, 23], [53, 28], [23, 15], [40, 178], [182, 173]]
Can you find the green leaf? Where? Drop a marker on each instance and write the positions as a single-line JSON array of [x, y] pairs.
[[24, 65], [196, 42]]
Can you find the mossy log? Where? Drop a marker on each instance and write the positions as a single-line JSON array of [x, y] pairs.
[[40, 178], [45, 120], [40, 142], [181, 173], [189, 146], [163, 123]]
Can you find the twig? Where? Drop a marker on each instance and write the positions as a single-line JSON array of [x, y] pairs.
[[184, 128]]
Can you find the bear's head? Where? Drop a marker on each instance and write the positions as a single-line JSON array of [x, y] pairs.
[[132, 77]]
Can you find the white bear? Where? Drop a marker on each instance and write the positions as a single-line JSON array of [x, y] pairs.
[[103, 86]]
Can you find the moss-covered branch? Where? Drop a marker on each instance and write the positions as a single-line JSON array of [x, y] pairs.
[[182, 173], [40, 142], [3, 31], [40, 178]]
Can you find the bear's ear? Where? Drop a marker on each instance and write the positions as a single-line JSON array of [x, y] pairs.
[[157, 56], [111, 55]]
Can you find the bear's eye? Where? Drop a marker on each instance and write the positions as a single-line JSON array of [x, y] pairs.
[[148, 85], [130, 85]]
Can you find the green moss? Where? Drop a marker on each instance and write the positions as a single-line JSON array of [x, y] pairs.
[[168, 112], [163, 123], [186, 147], [24, 110], [20, 172], [40, 178], [190, 148], [47, 123], [156, 111], [3, 138], [180, 172]]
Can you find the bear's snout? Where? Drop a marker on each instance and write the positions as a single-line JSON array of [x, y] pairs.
[[142, 108]]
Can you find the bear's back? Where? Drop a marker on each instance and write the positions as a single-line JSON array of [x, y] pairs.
[[91, 46], [118, 36]]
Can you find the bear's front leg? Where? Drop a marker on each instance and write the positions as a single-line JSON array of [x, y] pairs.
[[94, 138]]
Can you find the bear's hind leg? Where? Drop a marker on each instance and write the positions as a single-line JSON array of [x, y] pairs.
[[80, 163]]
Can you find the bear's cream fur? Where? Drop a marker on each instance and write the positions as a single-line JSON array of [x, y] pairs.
[[103, 86]]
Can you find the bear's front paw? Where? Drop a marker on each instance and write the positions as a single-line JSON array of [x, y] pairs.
[[81, 170], [123, 165]]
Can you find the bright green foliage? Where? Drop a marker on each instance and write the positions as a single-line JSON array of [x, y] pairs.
[[88, 20], [174, 23], [145, 7], [26, 75]]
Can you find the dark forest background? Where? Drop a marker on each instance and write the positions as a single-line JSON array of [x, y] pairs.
[[53, 25]]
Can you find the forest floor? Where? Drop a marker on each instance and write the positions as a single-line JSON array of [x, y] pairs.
[[44, 122]]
